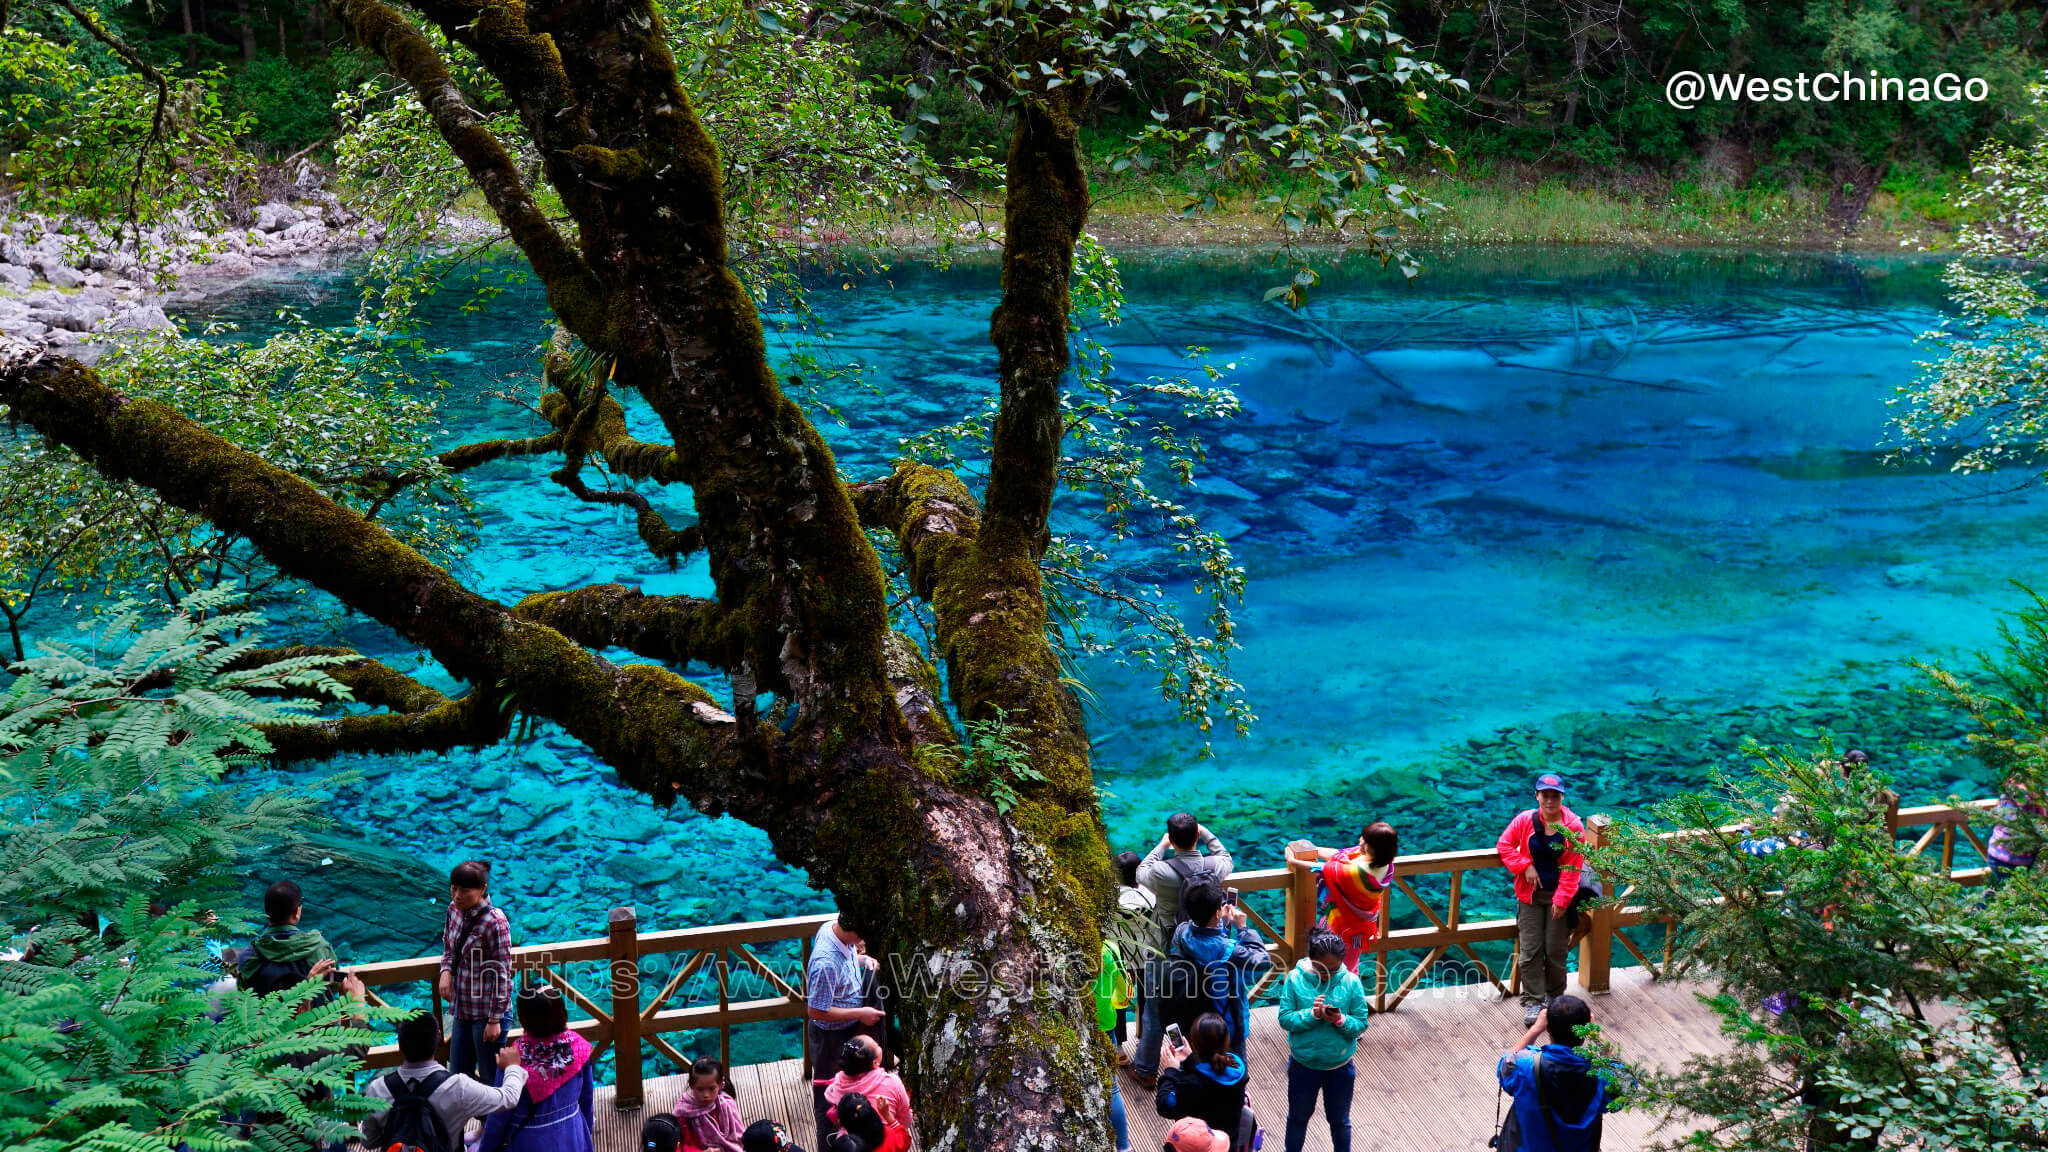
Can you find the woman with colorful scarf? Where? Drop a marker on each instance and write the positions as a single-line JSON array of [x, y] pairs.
[[1356, 882], [554, 1114]]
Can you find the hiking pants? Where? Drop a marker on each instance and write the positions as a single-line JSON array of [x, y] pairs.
[[1544, 942]]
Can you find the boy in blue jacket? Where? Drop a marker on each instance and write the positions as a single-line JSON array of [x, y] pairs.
[[1322, 1009], [1229, 956], [1558, 1098]]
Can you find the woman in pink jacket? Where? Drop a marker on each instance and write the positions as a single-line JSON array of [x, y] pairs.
[[1541, 849], [860, 1070]]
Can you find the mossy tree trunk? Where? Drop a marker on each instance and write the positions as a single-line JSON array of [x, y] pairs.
[[989, 922]]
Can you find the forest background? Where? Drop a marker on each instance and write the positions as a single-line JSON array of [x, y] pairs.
[[1564, 135]]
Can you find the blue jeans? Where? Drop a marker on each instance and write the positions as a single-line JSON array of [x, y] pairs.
[[470, 1054], [1117, 1122], [1335, 1084], [1151, 1032]]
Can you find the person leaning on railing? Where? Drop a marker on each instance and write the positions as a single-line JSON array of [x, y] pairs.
[[1356, 882], [1540, 848], [476, 970]]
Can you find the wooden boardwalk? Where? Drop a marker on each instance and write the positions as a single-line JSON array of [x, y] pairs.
[[1425, 1073]]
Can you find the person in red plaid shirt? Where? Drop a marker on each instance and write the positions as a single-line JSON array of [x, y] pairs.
[[476, 972]]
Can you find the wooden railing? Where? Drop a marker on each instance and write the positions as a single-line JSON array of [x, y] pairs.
[[1445, 927], [618, 1020]]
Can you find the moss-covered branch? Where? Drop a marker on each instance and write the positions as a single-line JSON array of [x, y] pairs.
[[466, 456], [476, 720], [950, 885], [990, 611], [680, 737], [678, 629], [932, 514], [573, 289], [1043, 213], [371, 682], [573, 399]]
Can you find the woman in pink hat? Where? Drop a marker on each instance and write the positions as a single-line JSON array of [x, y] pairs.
[[1541, 849]]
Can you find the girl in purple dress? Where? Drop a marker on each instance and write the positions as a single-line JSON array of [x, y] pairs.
[[554, 1114]]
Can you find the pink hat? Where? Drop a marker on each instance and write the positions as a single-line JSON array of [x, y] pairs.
[[1189, 1134]]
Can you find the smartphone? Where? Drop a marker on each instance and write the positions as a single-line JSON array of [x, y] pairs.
[[1175, 1038], [1230, 895]]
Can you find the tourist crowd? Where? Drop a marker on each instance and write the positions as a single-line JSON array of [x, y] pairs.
[[1193, 1000], [1190, 994]]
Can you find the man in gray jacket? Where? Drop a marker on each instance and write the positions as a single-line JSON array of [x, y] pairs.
[[459, 1098], [1187, 855]]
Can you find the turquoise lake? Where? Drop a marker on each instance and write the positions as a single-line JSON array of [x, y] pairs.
[[1607, 513]]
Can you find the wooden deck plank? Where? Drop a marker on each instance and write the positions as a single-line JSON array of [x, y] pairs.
[[1425, 1073]]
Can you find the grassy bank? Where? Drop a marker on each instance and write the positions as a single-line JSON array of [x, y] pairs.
[[1488, 203], [1521, 204]]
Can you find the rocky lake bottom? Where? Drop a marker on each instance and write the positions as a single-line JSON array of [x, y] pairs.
[[1605, 513]]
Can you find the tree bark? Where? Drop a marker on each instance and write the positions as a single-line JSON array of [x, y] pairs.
[[245, 27]]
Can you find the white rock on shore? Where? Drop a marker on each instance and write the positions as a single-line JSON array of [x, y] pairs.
[[62, 281]]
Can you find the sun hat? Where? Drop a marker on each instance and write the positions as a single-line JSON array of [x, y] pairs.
[[1190, 1134], [1550, 782]]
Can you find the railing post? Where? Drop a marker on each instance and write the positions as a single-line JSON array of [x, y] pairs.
[[624, 953], [1301, 899], [1596, 951], [804, 986], [1891, 812]]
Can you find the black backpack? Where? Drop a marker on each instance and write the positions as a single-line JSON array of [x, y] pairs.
[[1182, 995], [1189, 877], [272, 975], [411, 1124]]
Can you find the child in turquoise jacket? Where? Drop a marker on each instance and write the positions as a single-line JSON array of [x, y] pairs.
[[1322, 1008]]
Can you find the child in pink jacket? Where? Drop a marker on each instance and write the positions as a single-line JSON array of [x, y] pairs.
[[709, 1116], [861, 1071]]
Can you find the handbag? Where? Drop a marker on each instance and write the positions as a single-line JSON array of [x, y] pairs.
[[1590, 891]]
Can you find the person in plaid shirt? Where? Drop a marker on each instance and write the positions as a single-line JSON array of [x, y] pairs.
[[476, 972]]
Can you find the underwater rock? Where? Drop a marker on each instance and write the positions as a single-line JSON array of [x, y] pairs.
[[1225, 525], [634, 825], [1239, 443], [1272, 481], [539, 796], [637, 868], [1219, 488], [1912, 575], [436, 788], [1330, 499]]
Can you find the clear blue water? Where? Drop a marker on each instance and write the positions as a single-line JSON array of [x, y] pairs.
[[1605, 513]]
